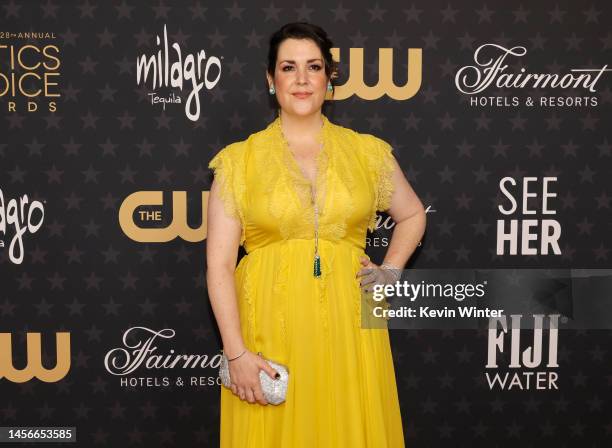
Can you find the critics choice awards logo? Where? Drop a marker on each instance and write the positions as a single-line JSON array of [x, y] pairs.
[[30, 72]]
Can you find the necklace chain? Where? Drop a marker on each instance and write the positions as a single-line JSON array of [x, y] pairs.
[[317, 259], [316, 213], [313, 195], [313, 198]]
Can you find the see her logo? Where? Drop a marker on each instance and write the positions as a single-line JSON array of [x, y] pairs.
[[528, 228]]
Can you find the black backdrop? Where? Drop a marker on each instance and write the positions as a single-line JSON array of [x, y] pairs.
[[82, 153]]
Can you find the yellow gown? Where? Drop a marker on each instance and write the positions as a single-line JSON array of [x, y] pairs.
[[342, 390]]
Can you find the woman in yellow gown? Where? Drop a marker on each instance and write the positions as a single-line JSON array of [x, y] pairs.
[[342, 389]]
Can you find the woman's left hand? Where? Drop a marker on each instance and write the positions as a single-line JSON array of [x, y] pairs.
[[372, 274]]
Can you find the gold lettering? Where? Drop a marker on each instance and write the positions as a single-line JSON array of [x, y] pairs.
[[355, 84], [178, 227], [34, 367]]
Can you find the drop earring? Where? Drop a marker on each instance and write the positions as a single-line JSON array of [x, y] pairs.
[[272, 90], [329, 87]]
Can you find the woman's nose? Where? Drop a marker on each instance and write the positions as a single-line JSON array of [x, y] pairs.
[[302, 75]]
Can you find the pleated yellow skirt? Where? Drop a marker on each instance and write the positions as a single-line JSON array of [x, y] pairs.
[[342, 389]]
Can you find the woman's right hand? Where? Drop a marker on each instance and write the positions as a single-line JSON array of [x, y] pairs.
[[244, 374]]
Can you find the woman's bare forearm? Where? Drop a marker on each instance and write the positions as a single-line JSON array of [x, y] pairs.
[[406, 237], [222, 295]]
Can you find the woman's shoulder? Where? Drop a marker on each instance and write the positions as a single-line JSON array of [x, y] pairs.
[[349, 137], [231, 154], [258, 140], [371, 141], [239, 148], [368, 143]]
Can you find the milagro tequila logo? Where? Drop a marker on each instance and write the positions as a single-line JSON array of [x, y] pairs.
[[139, 353], [169, 68], [490, 70], [20, 215]]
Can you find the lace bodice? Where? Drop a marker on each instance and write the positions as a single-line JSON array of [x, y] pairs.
[[263, 186]]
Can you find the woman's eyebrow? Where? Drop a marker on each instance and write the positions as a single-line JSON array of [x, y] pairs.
[[292, 61]]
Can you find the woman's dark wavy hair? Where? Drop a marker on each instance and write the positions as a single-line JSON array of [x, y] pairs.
[[303, 30]]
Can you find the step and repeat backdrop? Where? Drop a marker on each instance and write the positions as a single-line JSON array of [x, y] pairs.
[[498, 113]]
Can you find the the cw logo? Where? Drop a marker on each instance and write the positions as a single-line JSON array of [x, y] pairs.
[[34, 367], [356, 86], [178, 227]]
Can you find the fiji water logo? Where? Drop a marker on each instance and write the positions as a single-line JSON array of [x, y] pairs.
[[169, 67], [523, 358], [23, 217]]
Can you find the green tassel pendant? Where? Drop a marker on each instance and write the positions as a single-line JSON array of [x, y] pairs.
[[317, 266]]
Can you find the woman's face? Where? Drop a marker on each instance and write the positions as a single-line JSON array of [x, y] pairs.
[[299, 77]]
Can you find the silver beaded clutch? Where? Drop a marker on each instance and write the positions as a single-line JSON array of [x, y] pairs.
[[274, 390]]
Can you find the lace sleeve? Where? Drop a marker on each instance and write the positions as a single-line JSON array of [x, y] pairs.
[[229, 176], [379, 155], [386, 166]]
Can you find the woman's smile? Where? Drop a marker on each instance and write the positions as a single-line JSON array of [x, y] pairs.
[[302, 95]]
